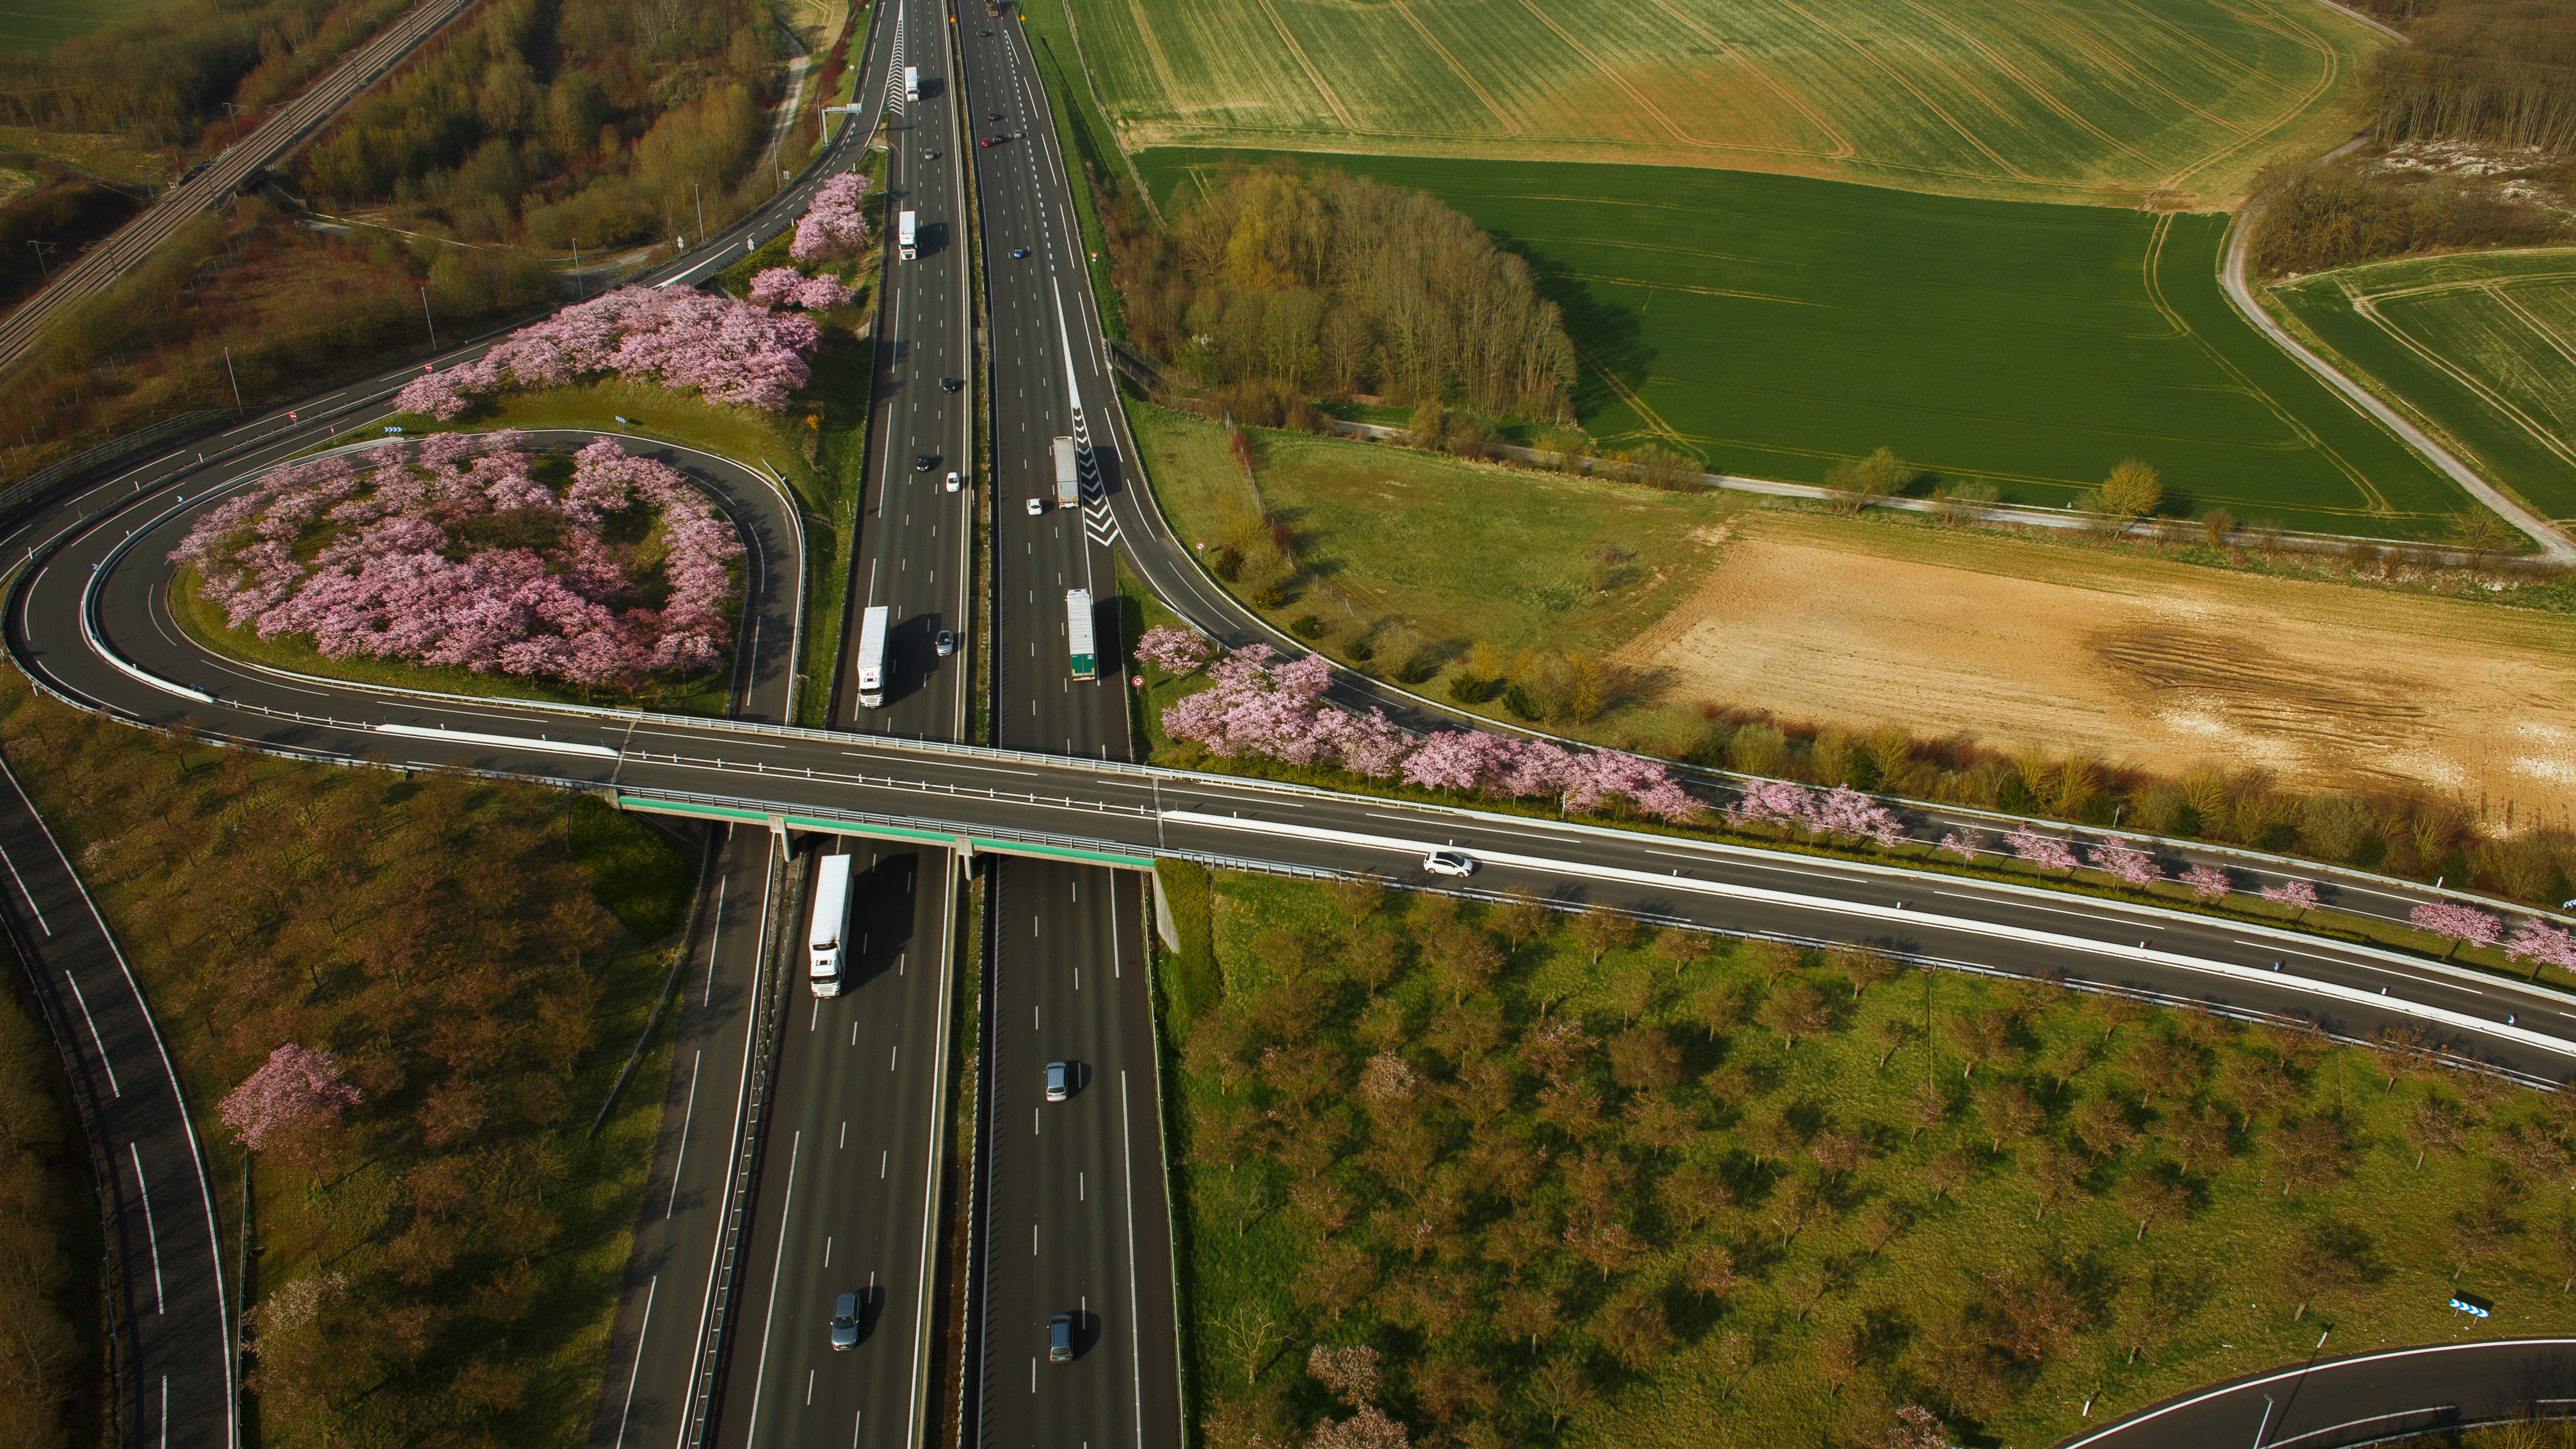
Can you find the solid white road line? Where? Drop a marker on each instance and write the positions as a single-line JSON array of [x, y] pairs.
[[542, 746], [151, 1234]]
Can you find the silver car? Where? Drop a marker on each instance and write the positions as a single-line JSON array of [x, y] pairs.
[[845, 1322], [1059, 1081], [1449, 862]]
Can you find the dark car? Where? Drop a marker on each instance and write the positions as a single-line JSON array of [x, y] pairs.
[[845, 1322], [1018, 252], [924, 462], [1060, 1338], [983, 32], [951, 384], [992, 115]]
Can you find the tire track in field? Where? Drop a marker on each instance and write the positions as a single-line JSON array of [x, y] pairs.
[[2076, 38], [2367, 305], [1843, 148], [2376, 501], [2326, 75], [1153, 54], [1635, 96], [1653, 420], [2029, 83], [1910, 88], [1451, 61], [1305, 62]]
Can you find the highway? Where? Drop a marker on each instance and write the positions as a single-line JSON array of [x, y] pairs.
[[2367, 1398], [1082, 1184], [98, 268]]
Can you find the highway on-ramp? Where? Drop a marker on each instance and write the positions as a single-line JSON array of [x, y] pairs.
[[2369, 1398]]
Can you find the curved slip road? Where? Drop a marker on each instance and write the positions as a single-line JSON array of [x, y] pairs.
[[2364, 1399]]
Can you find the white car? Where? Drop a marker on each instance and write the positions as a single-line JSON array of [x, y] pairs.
[[1036, 507], [955, 483], [1449, 862]]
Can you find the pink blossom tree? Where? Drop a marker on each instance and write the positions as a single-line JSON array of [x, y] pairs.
[[2300, 896], [2458, 924], [2125, 863], [296, 1091], [833, 227], [1964, 847], [787, 287], [2045, 851], [2207, 882], [1846, 811], [1774, 802], [1173, 650], [384, 562], [2541, 944], [728, 351]]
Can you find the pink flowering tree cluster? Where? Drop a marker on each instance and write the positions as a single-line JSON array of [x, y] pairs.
[[1173, 650], [2298, 895], [1257, 708], [1841, 811], [2045, 851], [2125, 863], [1964, 847], [2458, 924], [832, 229], [730, 352], [2541, 944], [2207, 882], [297, 1090], [458, 555], [788, 287]]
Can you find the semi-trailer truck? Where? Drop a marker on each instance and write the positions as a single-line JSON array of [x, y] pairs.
[[903, 235], [831, 915], [1077, 633], [1068, 485], [872, 637]]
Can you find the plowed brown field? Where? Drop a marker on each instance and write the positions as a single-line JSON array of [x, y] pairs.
[[2017, 643]]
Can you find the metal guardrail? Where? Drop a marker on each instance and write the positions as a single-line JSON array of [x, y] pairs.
[[107, 452], [768, 998]]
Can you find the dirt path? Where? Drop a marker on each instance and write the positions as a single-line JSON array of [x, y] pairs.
[[2016, 644]]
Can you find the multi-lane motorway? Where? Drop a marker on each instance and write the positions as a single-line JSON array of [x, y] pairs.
[[838, 1184]]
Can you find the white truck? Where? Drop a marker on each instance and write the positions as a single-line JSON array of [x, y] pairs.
[[831, 918], [1077, 634], [912, 83], [1068, 484], [903, 233], [872, 637]]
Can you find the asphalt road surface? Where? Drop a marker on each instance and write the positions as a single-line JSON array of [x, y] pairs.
[[2364, 1399]]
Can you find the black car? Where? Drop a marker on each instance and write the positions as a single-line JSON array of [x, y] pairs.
[[992, 115], [924, 462], [1017, 252], [983, 32], [951, 384]]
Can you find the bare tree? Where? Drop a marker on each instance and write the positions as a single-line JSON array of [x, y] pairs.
[[1603, 929], [1559, 1390], [1247, 1334]]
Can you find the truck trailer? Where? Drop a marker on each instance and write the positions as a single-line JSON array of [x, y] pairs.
[[903, 235], [872, 648], [1068, 483], [1077, 633], [831, 915], [912, 83]]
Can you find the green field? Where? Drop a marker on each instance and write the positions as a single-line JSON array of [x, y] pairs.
[[2480, 348], [1775, 325], [2171, 100], [2103, 1206], [42, 24]]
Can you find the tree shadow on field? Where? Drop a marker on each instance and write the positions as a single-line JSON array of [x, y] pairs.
[[1610, 339]]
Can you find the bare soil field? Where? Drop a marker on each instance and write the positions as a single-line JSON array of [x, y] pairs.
[[2019, 643]]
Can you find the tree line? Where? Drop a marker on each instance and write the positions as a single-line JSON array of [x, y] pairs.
[[1496, 1174], [2502, 71], [49, 1389], [1319, 283], [466, 953], [160, 77], [2318, 213], [564, 121]]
